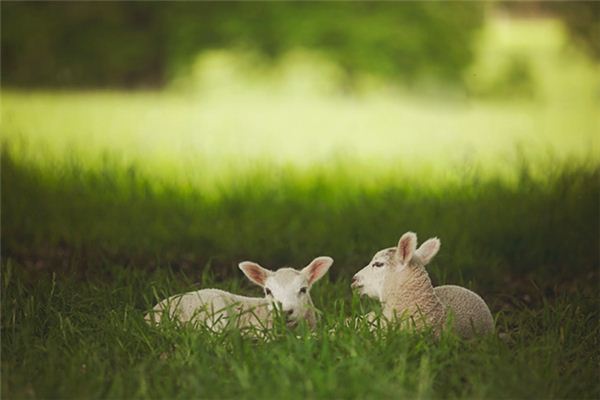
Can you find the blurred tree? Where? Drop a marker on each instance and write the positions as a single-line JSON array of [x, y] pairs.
[[581, 18], [95, 44], [128, 44]]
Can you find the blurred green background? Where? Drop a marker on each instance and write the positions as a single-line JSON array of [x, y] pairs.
[[149, 147], [195, 133]]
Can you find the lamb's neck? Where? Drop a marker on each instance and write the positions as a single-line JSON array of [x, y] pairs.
[[409, 293]]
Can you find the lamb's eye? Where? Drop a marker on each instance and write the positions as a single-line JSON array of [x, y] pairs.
[[268, 291], [303, 290], [378, 264]]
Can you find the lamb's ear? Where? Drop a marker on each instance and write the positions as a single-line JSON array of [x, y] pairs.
[[406, 248], [317, 268], [428, 250], [255, 272]]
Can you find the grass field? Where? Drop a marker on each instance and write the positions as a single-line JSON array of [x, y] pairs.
[[111, 201], [64, 338]]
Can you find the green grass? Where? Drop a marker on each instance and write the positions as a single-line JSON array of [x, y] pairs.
[[112, 201], [86, 253], [64, 338], [490, 228]]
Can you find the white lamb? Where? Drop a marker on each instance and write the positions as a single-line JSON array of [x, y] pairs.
[[287, 290], [397, 277]]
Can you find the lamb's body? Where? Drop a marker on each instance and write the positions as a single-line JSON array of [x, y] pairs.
[[286, 289], [409, 295], [215, 308], [398, 278], [469, 313]]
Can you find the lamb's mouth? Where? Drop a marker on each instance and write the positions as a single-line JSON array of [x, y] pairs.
[[358, 289]]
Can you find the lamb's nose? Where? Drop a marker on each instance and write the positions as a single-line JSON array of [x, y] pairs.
[[354, 281], [288, 313]]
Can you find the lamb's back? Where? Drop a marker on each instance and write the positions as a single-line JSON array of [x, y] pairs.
[[471, 315], [198, 305]]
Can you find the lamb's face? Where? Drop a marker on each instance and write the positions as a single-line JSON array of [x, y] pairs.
[[288, 289], [369, 280]]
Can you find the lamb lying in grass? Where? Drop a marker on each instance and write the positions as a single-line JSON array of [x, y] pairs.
[[287, 290], [398, 278]]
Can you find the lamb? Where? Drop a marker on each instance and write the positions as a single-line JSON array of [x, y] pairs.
[[286, 290], [398, 278]]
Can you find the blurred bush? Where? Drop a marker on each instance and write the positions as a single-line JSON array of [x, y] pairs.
[[513, 77], [581, 18], [132, 44]]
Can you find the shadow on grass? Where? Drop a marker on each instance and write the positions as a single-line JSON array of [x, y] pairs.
[[497, 235]]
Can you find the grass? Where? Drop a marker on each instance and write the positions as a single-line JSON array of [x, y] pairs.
[[169, 178], [86, 253], [516, 228], [64, 338], [112, 201]]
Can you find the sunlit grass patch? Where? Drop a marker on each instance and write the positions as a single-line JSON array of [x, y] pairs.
[[189, 139], [261, 119]]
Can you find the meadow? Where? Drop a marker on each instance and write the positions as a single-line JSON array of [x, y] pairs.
[[114, 200]]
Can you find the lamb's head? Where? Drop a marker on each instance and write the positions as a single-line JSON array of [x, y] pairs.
[[370, 280], [288, 289]]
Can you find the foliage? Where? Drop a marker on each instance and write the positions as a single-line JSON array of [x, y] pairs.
[[579, 17], [140, 44]]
